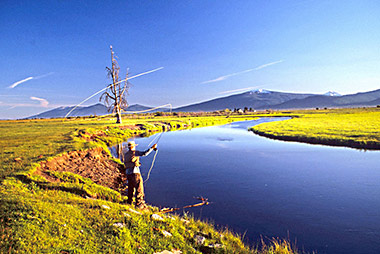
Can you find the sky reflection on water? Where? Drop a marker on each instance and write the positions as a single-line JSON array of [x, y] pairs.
[[326, 198]]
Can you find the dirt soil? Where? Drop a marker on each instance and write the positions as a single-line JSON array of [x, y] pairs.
[[94, 164]]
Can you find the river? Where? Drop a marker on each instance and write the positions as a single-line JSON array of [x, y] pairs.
[[326, 199]]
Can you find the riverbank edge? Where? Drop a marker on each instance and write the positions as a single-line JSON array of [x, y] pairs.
[[92, 141], [317, 139]]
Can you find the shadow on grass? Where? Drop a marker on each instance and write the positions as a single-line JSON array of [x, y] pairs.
[[51, 186]]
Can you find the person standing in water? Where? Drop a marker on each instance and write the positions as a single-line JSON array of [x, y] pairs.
[[135, 181]]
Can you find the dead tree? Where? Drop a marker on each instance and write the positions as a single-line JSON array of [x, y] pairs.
[[115, 95]]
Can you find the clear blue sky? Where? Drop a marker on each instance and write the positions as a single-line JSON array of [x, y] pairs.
[[207, 48]]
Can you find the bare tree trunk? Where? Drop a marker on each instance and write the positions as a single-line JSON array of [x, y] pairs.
[[115, 96], [119, 151]]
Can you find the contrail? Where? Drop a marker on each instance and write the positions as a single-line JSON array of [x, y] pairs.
[[45, 75], [98, 92], [221, 78], [241, 72], [268, 64], [29, 78], [19, 82]]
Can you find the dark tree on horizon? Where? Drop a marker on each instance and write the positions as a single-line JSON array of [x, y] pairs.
[[115, 95]]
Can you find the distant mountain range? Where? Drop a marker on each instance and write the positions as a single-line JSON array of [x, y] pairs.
[[264, 99], [371, 98], [257, 99], [96, 109]]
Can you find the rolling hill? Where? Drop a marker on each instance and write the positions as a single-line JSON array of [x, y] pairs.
[[258, 99], [371, 98], [263, 99], [96, 109]]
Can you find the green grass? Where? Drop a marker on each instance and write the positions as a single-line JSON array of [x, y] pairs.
[[357, 128], [25, 142], [53, 221], [38, 216]]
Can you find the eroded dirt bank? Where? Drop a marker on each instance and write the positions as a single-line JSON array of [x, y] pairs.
[[94, 164]]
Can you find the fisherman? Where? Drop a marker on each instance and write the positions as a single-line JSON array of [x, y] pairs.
[[135, 181]]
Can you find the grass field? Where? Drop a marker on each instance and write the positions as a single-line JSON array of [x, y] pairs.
[[38, 216], [356, 128], [24, 142]]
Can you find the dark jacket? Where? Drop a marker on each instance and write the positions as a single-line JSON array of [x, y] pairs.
[[132, 160]]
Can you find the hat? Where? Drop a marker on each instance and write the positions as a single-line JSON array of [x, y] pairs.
[[132, 144]]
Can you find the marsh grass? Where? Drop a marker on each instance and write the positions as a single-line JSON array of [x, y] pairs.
[[357, 128]]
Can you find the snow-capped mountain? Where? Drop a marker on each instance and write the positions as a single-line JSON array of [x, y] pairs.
[[332, 93], [261, 91]]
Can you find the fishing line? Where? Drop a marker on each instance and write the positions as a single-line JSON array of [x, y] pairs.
[[158, 137], [150, 109], [151, 166], [155, 155], [135, 76], [152, 141]]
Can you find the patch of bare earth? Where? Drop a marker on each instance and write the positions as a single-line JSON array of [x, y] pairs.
[[94, 164]]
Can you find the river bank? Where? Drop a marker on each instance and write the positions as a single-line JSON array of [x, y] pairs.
[[313, 193], [45, 207], [354, 128]]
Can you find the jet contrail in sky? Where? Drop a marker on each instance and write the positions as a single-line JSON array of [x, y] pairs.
[[44, 75], [20, 82], [221, 78], [266, 65], [29, 78]]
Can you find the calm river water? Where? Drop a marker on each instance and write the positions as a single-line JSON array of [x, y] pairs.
[[323, 198]]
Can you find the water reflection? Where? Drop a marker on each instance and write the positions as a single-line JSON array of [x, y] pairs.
[[120, 151]]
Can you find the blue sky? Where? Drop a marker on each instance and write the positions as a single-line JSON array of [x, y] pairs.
[[208, 49]]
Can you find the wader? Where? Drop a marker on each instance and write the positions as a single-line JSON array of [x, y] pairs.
[[135, 188]]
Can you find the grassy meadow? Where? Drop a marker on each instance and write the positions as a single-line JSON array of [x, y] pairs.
[[356, 128], [38, 216], [24, 142], [53, 217]]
